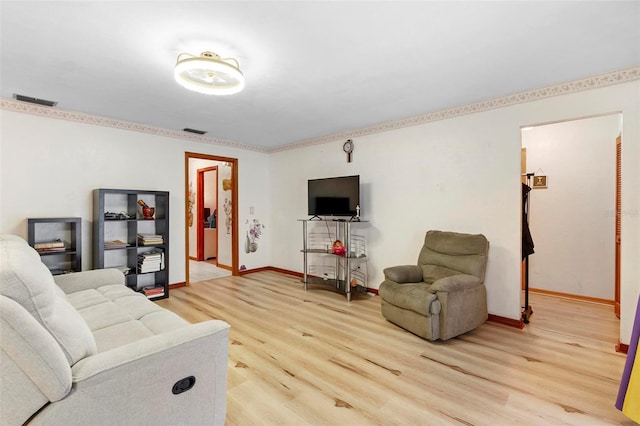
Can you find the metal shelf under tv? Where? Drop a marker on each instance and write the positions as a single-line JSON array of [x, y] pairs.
[[343, 272]]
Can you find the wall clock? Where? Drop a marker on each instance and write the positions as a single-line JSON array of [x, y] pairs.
[[348, 148]]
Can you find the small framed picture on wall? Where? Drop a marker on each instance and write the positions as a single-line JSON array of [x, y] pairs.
[[539, 182]]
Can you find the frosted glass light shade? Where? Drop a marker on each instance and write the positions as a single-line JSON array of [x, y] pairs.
[[209, 74]]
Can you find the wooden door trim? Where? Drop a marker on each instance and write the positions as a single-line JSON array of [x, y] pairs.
[[200, 213], [523, 179], [234, 207], [618, 225]]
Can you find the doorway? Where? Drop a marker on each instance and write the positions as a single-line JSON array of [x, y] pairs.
[[221, 249], [573, 214], [207, 214]]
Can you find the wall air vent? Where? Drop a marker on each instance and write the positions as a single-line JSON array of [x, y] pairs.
[[198, 132], [37, 101]]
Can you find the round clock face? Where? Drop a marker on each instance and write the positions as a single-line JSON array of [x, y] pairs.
[[348, 146]]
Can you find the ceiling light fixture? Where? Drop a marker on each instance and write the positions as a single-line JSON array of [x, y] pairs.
[[209, 74]]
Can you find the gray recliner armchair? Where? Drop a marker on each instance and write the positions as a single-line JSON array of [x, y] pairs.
[[444, 295]]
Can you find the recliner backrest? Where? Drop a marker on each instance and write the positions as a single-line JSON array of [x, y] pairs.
[[34, 367], [450, 253], [27, 281]]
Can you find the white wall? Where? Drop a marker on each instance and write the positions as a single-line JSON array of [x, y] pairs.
[[256, 204], [225, 216], [460, 174], [210, 191], [572, 220], [49, 168], [444, 175]]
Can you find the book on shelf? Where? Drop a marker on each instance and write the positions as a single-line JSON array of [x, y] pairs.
[[153, 291], [149, 258], [150, 239], [51, 250], [147, 269], [151, 261], [57, 245], [152, 254], [115, 244]]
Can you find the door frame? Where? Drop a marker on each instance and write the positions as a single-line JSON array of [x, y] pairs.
[[235, 270], [201, 188], [617, 254], [618, 226]]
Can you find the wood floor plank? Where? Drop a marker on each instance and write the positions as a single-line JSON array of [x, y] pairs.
[[312, 358]]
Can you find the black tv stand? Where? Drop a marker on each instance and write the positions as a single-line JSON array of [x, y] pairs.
[[315, 217]]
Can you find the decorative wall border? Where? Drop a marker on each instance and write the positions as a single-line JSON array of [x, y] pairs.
[[594, 82], [27, 108]]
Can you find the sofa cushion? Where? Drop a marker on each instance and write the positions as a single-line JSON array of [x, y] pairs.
[[118, 316], [27, 281]]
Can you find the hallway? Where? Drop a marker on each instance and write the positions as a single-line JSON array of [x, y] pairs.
[[202, 271]]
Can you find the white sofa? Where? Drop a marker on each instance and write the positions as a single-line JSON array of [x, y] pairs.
[[84, 349]]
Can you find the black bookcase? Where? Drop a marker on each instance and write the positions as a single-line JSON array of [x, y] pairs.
[[123, 238], [58, 240]]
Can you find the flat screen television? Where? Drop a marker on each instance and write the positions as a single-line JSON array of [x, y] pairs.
[[337, 196]]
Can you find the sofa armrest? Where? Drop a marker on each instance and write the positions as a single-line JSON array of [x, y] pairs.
[[133, 384], [404, 273], [455, 283], [34, 368], [104, 362], [78, 281]]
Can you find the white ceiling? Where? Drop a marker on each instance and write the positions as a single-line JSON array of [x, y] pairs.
[[312, 68]]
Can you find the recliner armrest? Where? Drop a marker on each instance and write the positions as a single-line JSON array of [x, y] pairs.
[[455, 282], [404, 273]]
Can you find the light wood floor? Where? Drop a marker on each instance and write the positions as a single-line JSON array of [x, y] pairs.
[[311, 358]]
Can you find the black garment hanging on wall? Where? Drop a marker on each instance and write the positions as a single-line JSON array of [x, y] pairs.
[[527, 240]]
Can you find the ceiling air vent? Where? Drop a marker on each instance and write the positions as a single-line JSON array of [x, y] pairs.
[[37, 101], [198, 132]]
